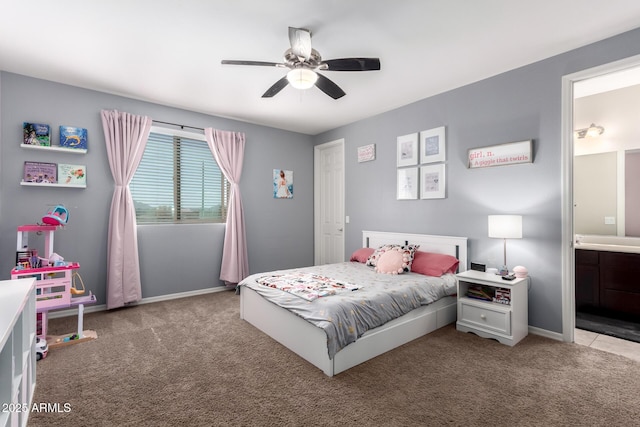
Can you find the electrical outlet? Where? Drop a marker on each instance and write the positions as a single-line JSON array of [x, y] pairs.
[[609, 220]]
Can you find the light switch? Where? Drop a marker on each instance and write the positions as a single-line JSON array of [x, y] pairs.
[[346, 219]]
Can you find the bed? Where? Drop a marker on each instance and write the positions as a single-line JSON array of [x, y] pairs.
[[311, 342]]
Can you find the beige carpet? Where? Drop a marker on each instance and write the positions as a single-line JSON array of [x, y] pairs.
[[194, 362]]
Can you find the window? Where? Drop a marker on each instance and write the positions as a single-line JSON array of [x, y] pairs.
[[178, 181]]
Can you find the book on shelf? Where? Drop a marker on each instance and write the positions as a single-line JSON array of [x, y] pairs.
[[45, 173], [36, 134], [72, 174], [73, 137], [480, 292], [502, 296]]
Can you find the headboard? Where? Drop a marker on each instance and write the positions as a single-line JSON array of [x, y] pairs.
[[450, 245]]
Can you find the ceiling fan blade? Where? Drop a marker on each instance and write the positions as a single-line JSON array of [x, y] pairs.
[[300, 40], [277, 87], [353, 64], [261, 63], [329, 87]]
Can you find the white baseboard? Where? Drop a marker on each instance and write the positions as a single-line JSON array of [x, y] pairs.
[[545, 333], [103, 307]]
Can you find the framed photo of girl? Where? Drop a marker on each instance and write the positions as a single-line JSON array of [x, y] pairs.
[[433, 145], [282, 184]]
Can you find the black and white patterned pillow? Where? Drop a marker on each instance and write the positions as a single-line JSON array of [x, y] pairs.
[[410, 249]]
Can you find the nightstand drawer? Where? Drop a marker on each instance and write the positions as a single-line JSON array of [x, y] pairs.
[[486, 317]]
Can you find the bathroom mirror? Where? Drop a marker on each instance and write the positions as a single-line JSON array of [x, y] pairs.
[[606, 186], [607, 193]]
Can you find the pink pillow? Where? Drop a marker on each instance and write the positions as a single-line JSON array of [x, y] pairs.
[[361, 255], [432, 264], [392, 262]]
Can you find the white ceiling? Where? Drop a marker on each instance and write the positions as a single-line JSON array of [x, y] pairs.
[[169, 51]]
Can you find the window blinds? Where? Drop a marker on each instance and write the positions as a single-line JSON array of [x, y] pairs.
[[178, 181]]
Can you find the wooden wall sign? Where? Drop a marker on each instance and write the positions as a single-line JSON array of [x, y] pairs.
[[501, 155]]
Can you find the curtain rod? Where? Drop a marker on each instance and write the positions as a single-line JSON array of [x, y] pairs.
[[175, 124]]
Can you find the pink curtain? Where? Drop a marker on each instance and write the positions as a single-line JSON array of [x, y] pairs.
[[228, 150], [126, 136]]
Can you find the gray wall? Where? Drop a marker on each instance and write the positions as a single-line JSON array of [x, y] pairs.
[[174, 258], [518, 105]]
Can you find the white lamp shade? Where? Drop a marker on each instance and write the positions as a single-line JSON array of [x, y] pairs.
[[302, 78], [505, 226]]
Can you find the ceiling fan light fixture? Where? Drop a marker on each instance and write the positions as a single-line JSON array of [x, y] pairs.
[[302, 78]]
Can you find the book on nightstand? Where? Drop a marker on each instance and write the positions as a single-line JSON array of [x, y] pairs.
[[502, 296], [480, 292]]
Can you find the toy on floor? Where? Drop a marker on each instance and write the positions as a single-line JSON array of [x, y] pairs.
[[69, 338], [59, 215], [42, 349]]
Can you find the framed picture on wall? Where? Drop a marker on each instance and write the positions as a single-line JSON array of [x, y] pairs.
[[407, 184], [366, 153], [282, 184], [407, 150], [432, 182], [433, 145]]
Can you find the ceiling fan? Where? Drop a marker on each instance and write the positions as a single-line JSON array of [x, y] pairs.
[[303, 63]]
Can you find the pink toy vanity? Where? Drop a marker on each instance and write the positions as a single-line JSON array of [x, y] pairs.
[[53, 286]]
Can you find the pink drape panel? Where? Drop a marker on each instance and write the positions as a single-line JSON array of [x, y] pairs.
[[228, 150], [126, 136]]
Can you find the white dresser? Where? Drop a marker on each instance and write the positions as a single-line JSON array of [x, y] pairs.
[[17, 350]]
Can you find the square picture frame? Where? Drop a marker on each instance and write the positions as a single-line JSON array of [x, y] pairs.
[[433, 145], [407, 184], [433, 182], [407, 150]]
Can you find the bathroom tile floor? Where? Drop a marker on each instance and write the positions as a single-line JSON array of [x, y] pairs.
[[607, 343]]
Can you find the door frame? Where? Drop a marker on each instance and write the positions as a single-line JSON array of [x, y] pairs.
[[316, 194], [567, 153]]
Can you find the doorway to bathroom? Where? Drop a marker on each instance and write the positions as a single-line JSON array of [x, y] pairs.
[[605, 245]]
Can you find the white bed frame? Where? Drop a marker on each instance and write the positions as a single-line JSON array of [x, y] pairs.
[[310, 342]]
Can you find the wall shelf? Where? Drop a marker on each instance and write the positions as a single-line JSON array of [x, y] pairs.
[[55, 148], [40, 184]]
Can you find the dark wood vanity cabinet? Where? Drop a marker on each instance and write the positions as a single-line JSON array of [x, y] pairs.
[[587, 280], [608, 281]]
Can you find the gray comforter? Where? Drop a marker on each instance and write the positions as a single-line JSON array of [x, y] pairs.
[[347, 316]]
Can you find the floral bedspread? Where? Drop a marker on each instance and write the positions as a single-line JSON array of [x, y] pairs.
[[306, 285], [347, 316]]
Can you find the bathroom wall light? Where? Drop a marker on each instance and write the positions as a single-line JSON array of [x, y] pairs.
[[590, 132]]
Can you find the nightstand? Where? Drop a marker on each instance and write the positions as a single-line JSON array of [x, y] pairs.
[[506, 321]]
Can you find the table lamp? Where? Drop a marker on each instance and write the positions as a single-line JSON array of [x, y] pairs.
[[505, 227]]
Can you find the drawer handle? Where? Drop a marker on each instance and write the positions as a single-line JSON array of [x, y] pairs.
[[483, 317]]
